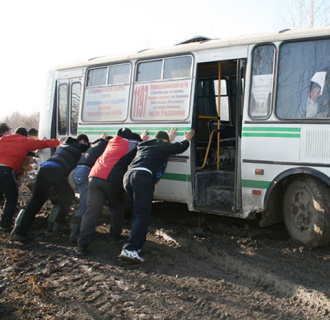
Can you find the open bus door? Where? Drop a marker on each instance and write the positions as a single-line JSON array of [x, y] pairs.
[[218, 115]]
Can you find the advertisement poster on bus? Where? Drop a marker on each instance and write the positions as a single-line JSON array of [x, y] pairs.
[[161, 101], [106, 103], [261, 94]]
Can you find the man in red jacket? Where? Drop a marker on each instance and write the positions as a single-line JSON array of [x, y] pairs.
[[106, 182], [13, 151]]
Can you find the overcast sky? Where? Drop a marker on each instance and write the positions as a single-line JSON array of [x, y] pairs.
[[38, 35]]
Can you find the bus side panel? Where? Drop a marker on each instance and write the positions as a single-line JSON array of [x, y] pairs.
[[277, 146], [175, 184], [46, 115]]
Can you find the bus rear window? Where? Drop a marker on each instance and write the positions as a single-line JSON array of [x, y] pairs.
[[303, 88], [63, 105], [75, 101]]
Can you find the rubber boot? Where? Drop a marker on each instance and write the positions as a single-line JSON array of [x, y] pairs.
[[52, 217]]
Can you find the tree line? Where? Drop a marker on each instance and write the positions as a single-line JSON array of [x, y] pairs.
[[17, 119]]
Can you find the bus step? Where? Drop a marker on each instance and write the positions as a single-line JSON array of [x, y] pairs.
[[216, 197]]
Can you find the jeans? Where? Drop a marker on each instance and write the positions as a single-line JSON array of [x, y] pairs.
[[8, 186], [80, 179], [48, 177], [98, 190], [139, 186]]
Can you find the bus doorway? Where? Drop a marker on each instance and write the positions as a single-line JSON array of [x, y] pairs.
[[68, 94], [218, 116]]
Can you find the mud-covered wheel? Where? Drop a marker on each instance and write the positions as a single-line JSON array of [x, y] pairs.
[[306, 211]]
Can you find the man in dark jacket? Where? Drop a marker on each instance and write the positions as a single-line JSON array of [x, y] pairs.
[[5, 130], [13, 151], [80, 179], [106, 182], [53, 173], [139, 182]]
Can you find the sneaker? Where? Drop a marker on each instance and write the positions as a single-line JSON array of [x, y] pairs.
[[117, 239], [131, 255], [81, 250]]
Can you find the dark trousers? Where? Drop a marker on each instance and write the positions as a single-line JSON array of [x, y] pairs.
[[47, 178], [139, 186], [98, 191], [9, 188]]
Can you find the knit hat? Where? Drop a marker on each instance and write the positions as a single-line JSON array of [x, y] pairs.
[[162, 135]]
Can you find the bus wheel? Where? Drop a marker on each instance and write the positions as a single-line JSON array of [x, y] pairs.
[[306, 211]]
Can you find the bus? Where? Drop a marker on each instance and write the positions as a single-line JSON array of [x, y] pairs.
[[260, 107]]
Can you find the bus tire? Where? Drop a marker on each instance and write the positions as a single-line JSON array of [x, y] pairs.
[[306, 211]]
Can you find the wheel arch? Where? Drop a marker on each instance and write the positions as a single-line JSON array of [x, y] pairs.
[[273, 208]]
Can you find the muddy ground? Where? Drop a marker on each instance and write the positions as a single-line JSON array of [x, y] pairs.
[[196, 267]]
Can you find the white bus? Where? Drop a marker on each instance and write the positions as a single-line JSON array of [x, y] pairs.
[[260, 106]]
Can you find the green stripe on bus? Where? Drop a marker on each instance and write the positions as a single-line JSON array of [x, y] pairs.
[[177, 177], [271, 129], [255, 184], [152, 130], [271, 135]]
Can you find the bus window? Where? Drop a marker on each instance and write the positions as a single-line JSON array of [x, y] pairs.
[[148, 71], [166, 99], [107, 93], [224, 104], [97, 77], [177, 67], [262, 81], [75, 101], [303, 80], [62, 108], [119, 74]]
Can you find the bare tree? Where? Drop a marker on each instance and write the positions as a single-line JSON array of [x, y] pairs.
[[17, 119], [296, 14]]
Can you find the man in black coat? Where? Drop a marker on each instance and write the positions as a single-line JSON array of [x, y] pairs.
[[53, 173]]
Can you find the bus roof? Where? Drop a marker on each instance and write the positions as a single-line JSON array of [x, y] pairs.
[[202, 43]]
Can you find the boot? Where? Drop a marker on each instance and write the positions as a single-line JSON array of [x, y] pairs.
[[75, 228], [52, 217]]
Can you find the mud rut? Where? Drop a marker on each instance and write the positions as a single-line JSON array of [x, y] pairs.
[[196, 267]]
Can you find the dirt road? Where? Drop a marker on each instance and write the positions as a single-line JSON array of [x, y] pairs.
[[196, 267]]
